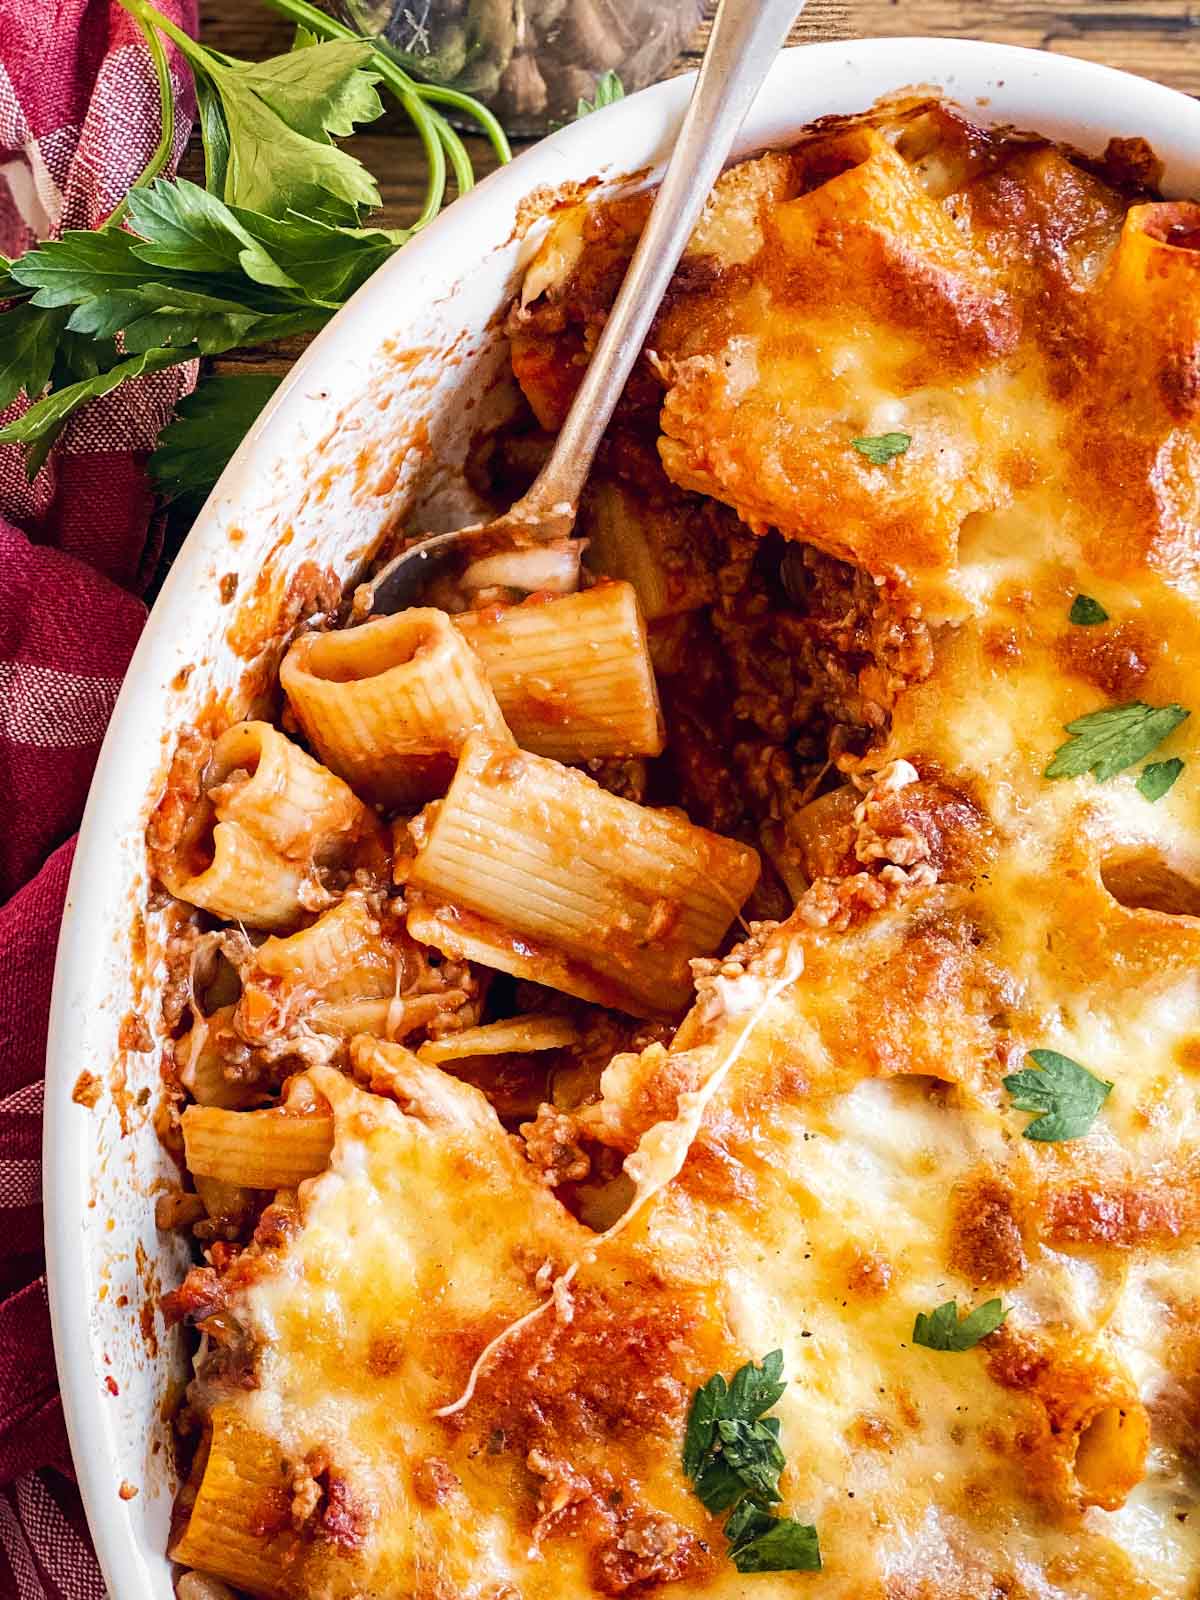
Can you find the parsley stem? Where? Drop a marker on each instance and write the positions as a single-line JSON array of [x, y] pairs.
[[435, 187], [166, 99], [148, 17], [464, 176], [489, 124]]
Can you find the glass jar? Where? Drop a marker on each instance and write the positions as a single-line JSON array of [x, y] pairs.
[[532, 61]]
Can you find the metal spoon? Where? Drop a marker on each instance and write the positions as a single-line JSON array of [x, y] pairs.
[[746, 37]]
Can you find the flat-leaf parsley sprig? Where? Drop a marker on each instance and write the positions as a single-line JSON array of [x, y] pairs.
[[732, 1455], [272, 246], [209, 424]]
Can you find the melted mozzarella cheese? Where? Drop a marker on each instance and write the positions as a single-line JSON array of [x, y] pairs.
[[859, 1159]]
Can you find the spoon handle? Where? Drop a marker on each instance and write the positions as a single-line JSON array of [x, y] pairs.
[[745, 40]]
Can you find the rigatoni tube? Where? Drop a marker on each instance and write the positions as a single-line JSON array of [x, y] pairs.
[[267, 816], [535, 869], [226, 869], [273, 1149], [388, 705], [259, 778], [224, 1533], [342, 956], [572, 674]]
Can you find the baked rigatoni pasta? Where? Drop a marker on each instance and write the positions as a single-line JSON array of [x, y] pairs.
[[572, 674], [343, 955], [653, 547], [388, 705], [619, 896], [853, 1254], [200, 1060], [225, 1531]]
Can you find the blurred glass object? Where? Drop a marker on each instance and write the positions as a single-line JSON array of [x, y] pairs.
[[537, 63]]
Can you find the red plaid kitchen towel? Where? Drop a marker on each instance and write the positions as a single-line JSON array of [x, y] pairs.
[[79, 117]]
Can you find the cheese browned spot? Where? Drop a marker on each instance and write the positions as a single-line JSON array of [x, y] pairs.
[[986, 1246]]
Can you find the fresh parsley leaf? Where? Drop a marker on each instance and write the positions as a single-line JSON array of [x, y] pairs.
[[1158, 777], [31, 337], [752, 1390], [185, 228], [76, 358], [1086, 612], [198, 277], [294, 175], [1107, 741], [96, 273], [9, 287], [609, 89], [275, 153], [79, 356], [327, 262], [214, 133], [708, 1403], [320, 90], [880, 448], [756, 1389], [195, 447], [941, 1329], [181, 317], [1067, 1096], [242, 264], [717, 1485], [751, 1450], [746, 1521], [784, 1546], [731, 1452], [217, 284]]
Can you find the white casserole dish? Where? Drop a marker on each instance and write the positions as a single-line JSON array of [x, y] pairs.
[[372, 422]]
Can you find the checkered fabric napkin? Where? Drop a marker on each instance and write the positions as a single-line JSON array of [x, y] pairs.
[[79, 118]]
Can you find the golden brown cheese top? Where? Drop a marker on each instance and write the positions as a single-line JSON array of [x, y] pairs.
[[860, 1160]]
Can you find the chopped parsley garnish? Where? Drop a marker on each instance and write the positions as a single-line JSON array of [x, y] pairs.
[[774, 1544], [879, 448], [1107, 741], [941, 1329], [1086, 612], [732, 1455], [1158, 777], [1067, 1096], [751, 1451]]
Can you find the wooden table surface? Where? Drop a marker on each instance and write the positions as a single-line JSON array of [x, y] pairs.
[[1156, 38]]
